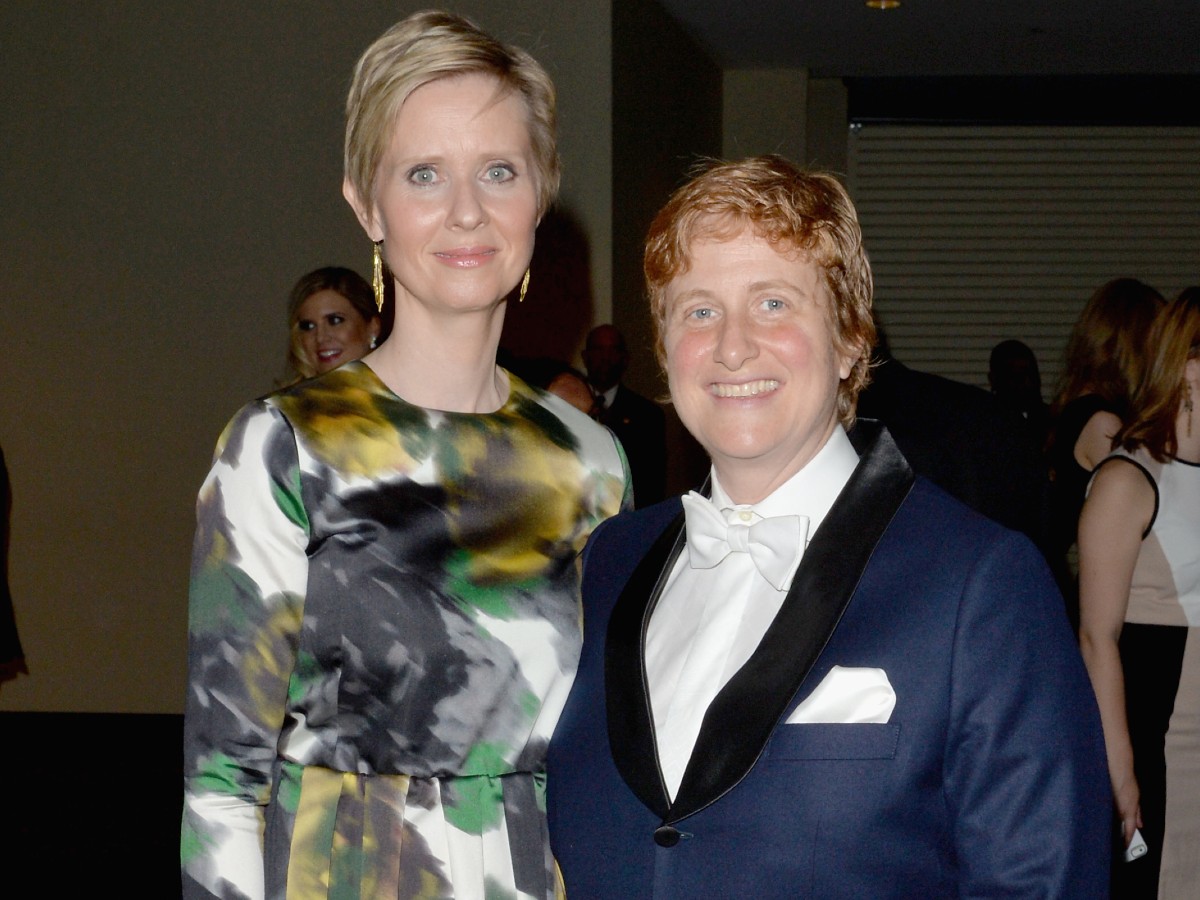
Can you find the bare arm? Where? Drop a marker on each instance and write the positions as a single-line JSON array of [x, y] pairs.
[[1115, 515]]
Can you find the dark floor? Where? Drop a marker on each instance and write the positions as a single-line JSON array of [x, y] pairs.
[[90, 804]]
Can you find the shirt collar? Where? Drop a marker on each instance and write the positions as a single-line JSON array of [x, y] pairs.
[[811, 491]]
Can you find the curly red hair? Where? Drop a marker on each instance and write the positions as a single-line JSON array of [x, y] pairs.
[[805, 212]]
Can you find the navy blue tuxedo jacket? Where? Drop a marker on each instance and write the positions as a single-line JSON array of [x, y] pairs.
[[989, 780]]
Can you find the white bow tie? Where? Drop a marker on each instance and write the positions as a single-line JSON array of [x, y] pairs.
[[774, 544]]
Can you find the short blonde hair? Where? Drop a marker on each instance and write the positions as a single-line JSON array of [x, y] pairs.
[[425, 47], [795, 210]]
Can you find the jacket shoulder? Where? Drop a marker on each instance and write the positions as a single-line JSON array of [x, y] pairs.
[[637, 528], [932, 519], [620, 543]]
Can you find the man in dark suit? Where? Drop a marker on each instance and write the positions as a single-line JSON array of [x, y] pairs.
[[827, 678], [638, 423], [962, 439], [1016, 382]]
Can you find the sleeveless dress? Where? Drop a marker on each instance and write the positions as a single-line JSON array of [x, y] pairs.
[[1070, 478], [384, 625], [1160, 658]]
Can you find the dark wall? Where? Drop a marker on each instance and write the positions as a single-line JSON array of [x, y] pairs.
[[90, 799], [666, 116], [167, 171], [1073, 100]]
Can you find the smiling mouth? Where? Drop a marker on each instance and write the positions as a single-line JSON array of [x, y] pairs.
[[749, 389], [466, 256]]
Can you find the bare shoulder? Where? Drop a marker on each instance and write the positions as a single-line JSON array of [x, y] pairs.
[[1120, 473], [1123, 488]]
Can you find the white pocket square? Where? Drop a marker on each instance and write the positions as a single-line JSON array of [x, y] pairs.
[[847, 696]]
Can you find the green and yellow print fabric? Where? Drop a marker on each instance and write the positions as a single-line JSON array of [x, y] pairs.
[[384, 625]]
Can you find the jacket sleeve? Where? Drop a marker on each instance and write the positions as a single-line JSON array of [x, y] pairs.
[[249, 572], [1025, 765]]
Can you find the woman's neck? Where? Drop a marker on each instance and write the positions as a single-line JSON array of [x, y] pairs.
[[445, 362], [1187, 436]]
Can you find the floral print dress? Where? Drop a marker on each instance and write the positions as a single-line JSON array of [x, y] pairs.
[[383, 628]]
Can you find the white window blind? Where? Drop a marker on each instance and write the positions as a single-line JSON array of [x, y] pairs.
[[981, 233]]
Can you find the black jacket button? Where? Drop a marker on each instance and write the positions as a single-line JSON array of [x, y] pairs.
[[666, 836]]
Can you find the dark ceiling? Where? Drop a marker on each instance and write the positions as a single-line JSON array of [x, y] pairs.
[[949, 38]]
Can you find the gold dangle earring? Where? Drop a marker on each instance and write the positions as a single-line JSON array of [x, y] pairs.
[[524, 287], [377, 276]]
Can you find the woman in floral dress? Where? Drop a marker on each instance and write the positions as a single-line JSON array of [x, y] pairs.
[[384, 614]]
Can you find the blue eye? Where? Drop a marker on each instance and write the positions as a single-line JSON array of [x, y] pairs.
[[703, 312], [422, 175], [500, 172], [773, 304]]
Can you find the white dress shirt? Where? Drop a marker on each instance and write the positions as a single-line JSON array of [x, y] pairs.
[[735, 597]]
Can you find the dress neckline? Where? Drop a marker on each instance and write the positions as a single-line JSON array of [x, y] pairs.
[[516, 387]]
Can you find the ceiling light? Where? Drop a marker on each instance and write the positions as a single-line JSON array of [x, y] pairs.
[[883, 4]]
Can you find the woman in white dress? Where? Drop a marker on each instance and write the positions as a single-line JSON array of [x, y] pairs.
[[1139, 581]]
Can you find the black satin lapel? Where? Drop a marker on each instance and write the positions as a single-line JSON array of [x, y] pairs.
[[741, 718], [630, 719]]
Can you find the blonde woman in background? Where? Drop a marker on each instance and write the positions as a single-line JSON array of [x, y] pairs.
[[332, 320]]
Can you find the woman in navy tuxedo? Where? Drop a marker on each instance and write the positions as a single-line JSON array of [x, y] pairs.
[[824, 677]]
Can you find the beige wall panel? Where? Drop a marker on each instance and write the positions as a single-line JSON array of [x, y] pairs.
[[167, 173]]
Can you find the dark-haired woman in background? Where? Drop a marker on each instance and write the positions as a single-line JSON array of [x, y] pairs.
[[332, 319], [385, 615], [1105, 358], [1139, 591]]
